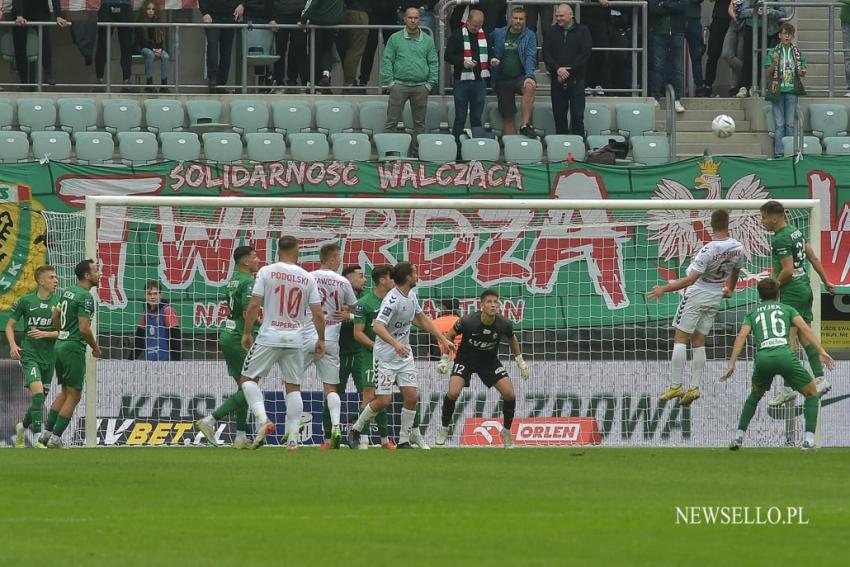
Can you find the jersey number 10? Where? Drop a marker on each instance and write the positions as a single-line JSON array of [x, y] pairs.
[[289, 300]]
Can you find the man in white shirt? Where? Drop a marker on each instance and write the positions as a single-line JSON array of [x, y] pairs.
[[712, 276], [283, 289], [394, 364]]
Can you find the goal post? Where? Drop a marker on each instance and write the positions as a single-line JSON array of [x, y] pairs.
[[572, 272]]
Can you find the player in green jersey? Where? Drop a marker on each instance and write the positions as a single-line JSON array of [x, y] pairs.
[[771, 323], [790, 252], [230, 341], [72, 318], [36, 349]]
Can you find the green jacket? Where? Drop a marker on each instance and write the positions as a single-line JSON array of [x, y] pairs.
[[845, 11], [323, 12], [410, 61]]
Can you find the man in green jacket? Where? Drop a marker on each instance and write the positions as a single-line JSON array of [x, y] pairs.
[[409, 70]]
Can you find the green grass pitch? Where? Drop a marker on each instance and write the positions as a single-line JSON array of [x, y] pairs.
[[220, 507]]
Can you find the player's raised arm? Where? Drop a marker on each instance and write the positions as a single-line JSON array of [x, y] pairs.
[[809, 335], [818, 267], [252, 312], [740, 343], [675, 285], [426, 324]]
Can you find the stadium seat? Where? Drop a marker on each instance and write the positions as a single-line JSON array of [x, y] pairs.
[[650, 150], [828, 120], [163, 115], [837, 146], [265, 146], [392, 145], [811, 146], [480, 149], [433, 117], [520, 149], [494, 117], [596, 142], [137, 148], [559, 147], [373, 116], [308, 146], [14, 146], [334, 116], [249, 116], [598, 119], [180, 146], [222, 146], [635, 118], [94, 147], [204, 112], [543, 118], [6, 114], [291, 116], [437, 148], [36, 114], [77, 115], [121, 116], [261, 48], [52, 146], [351, 146]]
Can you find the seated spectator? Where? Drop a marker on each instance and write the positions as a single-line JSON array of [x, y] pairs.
[[23, 12], [151, 43], [514, 61], [468, 51], [158, 333]]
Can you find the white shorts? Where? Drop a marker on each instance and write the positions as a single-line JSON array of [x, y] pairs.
[[327, 367], [260, 359], [399, 373], [697, 311]]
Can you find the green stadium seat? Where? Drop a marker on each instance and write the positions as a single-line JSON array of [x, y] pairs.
[[14, 146], [560, 146], [222, 146], [837, 146], [828, 120], [598, 119], [308, 146], [437, 148], [77, 115], [261, 47], [249, 116], [180, 146], [36, 114], [137, 148], [373, 116], [265, 146], [392, 145], [121, 115], [351, 146], [94, 147], [7, 112], [433, 117], [164, 115], [494, 117], [291, 116], [482, 149], [334, 116], [635, 118], [650, 150], [811, 146], [203, 112], [520, 149], [51, 146], [543, 118]]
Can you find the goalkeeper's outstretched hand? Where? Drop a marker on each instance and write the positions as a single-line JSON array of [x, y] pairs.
[[443, 365], [523, 367]]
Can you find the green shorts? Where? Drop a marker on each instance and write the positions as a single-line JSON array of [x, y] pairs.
[[781, 361], [234, 354], [36, 371], [800, 297], [70, 364], [364, 372]]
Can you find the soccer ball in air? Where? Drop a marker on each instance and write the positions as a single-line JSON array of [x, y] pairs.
[[723, 126]]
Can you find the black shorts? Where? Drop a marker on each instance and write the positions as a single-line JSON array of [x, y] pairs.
[[505, 93], [489, 371]]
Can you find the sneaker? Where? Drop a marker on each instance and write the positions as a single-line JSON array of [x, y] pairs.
[[674, 392], [55, 442], [20, 436], [823, 386], [292, 445], [264, 429], [389, 445], [325, 445], [40, 445], [442, 436], [336, 437], [656, 104], [207, 428], [44, 438], [506, 438], [417, 439], [847, 94], [807, 446], [598, 91], [241, 442], [742, 93], [736, 443], [678, 106], [324, 85], [364, 444], [353, 438], [689, 397], [785, 395], [528, 131], [404, 446]]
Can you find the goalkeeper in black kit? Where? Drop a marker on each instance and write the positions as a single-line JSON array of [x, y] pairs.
[[478, 353]]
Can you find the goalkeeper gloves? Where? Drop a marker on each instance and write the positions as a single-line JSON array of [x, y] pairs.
[[443, 365], [523, 367]]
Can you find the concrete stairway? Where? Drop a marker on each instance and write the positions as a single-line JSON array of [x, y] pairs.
[[812, 34]]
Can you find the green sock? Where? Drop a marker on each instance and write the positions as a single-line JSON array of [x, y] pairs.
[[810, 412], [381, 422], [814, 361], [227, 407], [61, 425], [35, 413], [27, 419], [748, 411], [326, 420], [241, 410], [52, 416]]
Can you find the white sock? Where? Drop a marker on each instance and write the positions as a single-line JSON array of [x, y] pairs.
[[241, 435], [209, 420], [407, 417], [294, 409], [365, 417], [677, 366], [697, 365], [334, 405], [254, 397], [810, 437], [739, 434]]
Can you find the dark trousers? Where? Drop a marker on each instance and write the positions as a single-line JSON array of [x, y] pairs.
[[125, 39], [19, 39], [747, 70], [219, 48], [377, 17], [539, 17], [693, 36], [323, 59], [292, 48], [716, 35], [568, 100], [470, 98], [598, 69]]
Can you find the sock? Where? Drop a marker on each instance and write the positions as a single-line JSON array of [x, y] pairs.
[[739, 433], [294, 409], [448, 410], [814, 361], [697, 365], [810, 413], [334, 404], [51, 419], [62, 424], [748, 411], [241, 411], [677, 367], [27, 419], [809, 437], [35, 413], [364, 417], [326, 421], [227, 407], [381, 422], [407, 418], [508, 407], [254, 397], [416, 417]]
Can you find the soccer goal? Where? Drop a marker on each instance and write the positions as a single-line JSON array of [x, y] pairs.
[[572, 277]]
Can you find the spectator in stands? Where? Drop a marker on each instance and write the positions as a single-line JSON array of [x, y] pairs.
[[219, 40], [597, 17], [115, 11], [23, 12], [353, 44], [716, 33], [785, 67], [158, 334], [566, 52], [693, 37], [409, 69], [468, 50], [667, 22], [381, 13], [291, 44], [494, 15], [151, 43], [754, 21], [539, 16], [733, 43], [514, 61], [845, 40], [323, 13]]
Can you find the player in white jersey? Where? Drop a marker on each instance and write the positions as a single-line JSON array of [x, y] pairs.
[[338, 301], [393, 357], [711, 276], [283, 289]]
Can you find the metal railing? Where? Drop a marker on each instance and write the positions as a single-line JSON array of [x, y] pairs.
[[670, 121]]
